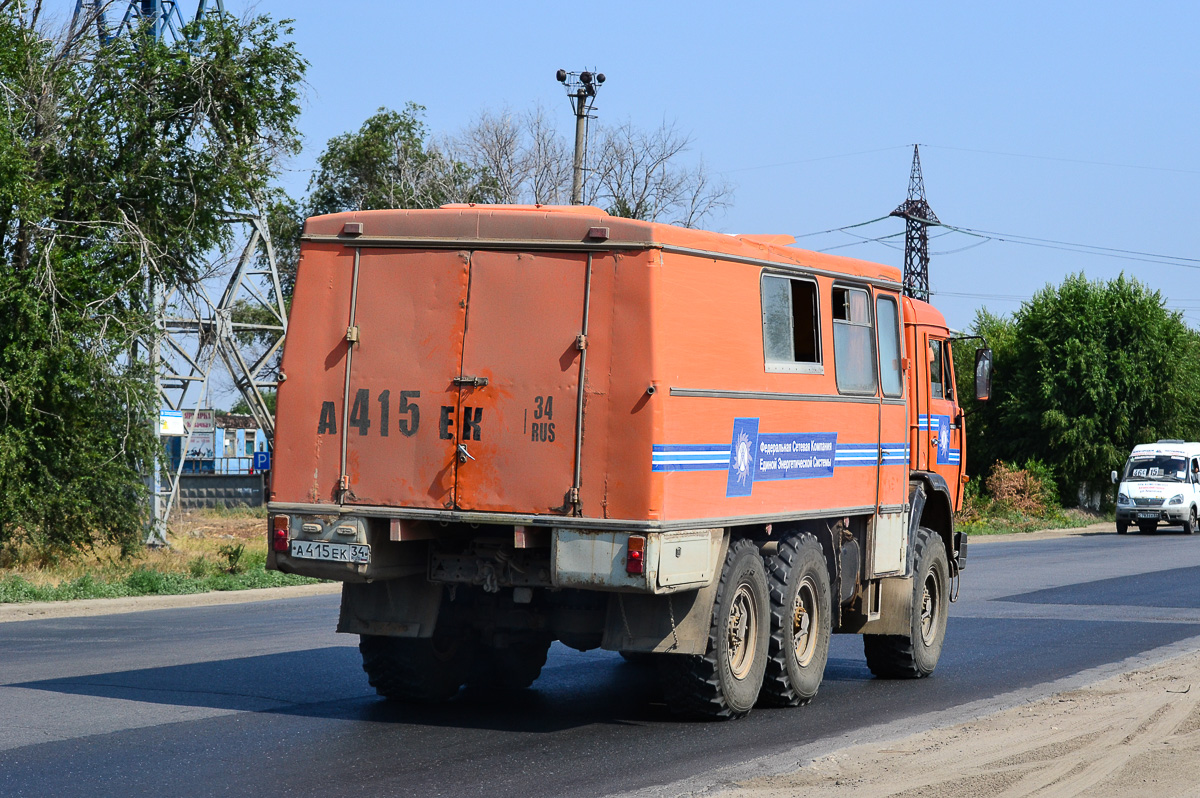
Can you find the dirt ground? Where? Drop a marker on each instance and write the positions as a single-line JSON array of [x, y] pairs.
[[1136, 734]]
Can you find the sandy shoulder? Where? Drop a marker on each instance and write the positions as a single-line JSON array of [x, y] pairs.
[[1135, 734]]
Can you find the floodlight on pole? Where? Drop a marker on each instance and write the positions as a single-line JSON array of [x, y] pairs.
[[581, 91]]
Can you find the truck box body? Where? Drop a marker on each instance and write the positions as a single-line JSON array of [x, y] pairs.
[[674, 360], [522, 398]]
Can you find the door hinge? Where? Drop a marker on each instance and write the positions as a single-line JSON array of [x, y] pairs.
[[573, 496], [478, 382], [344, 482], [352, 334], [581, 342]]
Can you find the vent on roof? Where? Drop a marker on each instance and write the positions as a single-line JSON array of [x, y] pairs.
[[1170, 440]]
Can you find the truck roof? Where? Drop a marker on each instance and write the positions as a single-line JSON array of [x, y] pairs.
[[571, 226]]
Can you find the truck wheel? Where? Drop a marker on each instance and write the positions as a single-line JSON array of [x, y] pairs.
[[724, 682], [800, 622], [1189, 526], [1122, 527], [916, 654], [416, 668], [513, 665]]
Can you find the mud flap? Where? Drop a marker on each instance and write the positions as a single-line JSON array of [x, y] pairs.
[[895, 610], [406, 607]]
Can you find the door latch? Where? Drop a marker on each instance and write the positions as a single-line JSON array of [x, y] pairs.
[[463, 454], [478, 382]]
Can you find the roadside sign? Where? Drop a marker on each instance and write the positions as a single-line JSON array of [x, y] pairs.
[[170, 422], [262, 461]]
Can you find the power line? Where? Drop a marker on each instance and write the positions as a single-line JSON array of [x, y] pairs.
[[1069, 160], [1085, 249], [814, 160]]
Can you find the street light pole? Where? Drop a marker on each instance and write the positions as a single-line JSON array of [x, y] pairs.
[[581, 92]]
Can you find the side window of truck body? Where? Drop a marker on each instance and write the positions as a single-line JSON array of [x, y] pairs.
[[887, 318], [791, 325], [854, 341], [941, 380]]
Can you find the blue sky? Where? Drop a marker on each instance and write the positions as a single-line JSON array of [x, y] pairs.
[[1072, 122]]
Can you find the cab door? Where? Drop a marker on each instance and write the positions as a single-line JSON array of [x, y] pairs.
[[941, 425]]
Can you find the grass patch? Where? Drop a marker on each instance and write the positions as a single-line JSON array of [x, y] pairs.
[[1018, 499], [1004, 521], [210, 550]]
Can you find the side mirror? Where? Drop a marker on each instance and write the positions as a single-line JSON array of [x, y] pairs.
[[983, 374], [1114, 477]]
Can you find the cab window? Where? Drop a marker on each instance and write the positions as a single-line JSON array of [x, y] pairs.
[[941, 380]]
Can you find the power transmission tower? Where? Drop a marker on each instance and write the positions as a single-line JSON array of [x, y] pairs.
[[191, 331], [917, 217], [161, 18], [581, 91]]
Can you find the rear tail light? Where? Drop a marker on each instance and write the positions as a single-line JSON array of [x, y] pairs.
[[279, 532], [635, 561]]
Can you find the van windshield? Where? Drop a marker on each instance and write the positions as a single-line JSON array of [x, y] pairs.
[[1156, 468]]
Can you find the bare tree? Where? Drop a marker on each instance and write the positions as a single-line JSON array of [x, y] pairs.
[[523, 157], [639, 175]]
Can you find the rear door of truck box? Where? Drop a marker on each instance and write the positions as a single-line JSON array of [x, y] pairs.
[[464, 380]]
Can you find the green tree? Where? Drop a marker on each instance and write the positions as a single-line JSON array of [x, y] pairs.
[[390, 163], [1084, 372], [118, 167]]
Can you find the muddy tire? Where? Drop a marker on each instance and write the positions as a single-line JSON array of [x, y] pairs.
[[798, 579], [1122, 527], [416, 669], [513, 665], [725, 681], [916, 654], [1189, 526]]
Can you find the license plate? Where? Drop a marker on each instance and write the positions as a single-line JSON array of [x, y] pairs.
[[334, 552], [1147, 514]]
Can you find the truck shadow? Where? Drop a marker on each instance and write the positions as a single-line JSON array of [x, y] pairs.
[[575, 689]]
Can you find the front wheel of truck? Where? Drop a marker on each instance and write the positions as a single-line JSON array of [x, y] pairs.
[[1189, 526], [725, 681], [415, 668], [916, 654]]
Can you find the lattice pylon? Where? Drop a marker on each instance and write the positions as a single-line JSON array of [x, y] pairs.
[[917, 217]]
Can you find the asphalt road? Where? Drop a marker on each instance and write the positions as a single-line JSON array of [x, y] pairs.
[[265, 699]]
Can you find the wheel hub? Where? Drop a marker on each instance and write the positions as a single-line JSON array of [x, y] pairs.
[[742, 631], [804, 616], [930, 606]]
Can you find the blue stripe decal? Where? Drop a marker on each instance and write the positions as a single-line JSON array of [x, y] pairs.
[[715, 457]]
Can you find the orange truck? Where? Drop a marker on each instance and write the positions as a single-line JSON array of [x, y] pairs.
[[501, 426]]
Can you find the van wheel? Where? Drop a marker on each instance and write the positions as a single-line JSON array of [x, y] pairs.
[[1122, 527], [800, 622], [916, 654], [514, 664], [416, 669], [725, 681], [1189, 526]]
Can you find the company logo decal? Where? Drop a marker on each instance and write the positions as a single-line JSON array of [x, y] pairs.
[[751, 456]]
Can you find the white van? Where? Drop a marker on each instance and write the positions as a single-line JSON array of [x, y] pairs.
[[1160, 484]]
